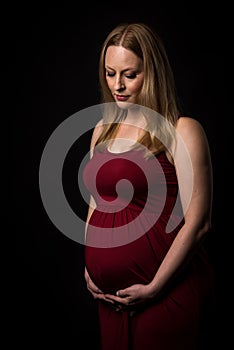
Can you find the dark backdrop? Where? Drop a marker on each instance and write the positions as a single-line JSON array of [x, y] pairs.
[[54, 72]]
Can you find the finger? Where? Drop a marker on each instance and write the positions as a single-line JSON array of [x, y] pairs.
[[100, 296], [109, 301], [122, 293], [113, 298], [97, 290], [93, 287]]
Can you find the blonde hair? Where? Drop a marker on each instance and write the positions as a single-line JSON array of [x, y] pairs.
[[158, 91]]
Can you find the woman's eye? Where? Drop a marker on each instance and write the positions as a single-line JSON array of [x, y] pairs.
[[109, 74], [131, 76]]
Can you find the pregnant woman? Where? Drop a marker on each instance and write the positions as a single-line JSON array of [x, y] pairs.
[[150, 180]]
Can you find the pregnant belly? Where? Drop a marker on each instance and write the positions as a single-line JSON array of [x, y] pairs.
[[115, 268]]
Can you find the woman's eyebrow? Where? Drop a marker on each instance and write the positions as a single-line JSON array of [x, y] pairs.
[[124, 70]]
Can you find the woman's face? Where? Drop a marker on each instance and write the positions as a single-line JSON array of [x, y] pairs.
[[124, 74]]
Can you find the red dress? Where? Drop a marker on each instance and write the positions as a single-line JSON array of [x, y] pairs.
[[127, 239]]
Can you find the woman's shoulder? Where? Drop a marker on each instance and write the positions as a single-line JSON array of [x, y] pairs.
[[96, 132], [187, 120], [98, 128], [187, 123], [190, 129]]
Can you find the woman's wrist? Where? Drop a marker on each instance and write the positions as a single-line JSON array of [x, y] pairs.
[[152, 290]]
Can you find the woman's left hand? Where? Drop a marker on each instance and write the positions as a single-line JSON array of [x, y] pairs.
[[131, 296]]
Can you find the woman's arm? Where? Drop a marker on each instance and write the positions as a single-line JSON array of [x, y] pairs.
[[197, 218]]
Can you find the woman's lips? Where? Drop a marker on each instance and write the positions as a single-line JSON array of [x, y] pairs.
[[121, 97]]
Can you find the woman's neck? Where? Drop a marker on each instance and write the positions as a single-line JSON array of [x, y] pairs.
[[135, 118]]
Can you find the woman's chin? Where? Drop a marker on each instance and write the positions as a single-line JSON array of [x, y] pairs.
[[124, 104]]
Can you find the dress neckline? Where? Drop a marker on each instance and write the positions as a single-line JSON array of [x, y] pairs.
[[119, 153]]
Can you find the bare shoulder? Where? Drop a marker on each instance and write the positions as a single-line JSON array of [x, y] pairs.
[[185, 124], [98, 129], [96, 132], [99, 123], [190, 129]]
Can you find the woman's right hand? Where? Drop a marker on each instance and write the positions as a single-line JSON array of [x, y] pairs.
[[98, 293], [91, 286]]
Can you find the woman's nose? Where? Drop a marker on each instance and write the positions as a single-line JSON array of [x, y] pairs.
[[119, 84]]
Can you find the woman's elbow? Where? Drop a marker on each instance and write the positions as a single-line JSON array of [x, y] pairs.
[[203, 229]]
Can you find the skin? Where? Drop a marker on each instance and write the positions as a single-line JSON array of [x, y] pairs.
[[198, 212], [124, 74], [124, 77]]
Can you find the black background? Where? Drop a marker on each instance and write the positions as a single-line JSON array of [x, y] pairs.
[[53, 69]]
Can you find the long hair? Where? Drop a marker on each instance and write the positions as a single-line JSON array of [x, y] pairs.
[[158, 91]]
